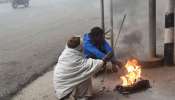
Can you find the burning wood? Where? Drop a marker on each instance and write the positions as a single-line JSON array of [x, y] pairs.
[[132, 81], [133, 73]]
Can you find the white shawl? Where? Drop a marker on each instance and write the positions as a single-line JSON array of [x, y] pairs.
[[71, 70]]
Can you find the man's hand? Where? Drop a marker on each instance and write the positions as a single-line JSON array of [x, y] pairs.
[[108, 57], [116, 63], [110, 68]]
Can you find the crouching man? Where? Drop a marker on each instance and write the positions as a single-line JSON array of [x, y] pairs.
[[72, 74]]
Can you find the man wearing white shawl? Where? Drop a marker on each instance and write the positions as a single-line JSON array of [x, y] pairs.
[[72, 73]]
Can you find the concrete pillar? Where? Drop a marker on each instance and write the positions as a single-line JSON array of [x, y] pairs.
[[152, 28], [169, 34], [112, 26], [102, 15]]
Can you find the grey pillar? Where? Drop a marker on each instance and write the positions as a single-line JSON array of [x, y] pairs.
[[112, 26], [102, 15], [152, 28], [169, 34]]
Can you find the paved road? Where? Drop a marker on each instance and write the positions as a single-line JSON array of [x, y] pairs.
[[32, 38]]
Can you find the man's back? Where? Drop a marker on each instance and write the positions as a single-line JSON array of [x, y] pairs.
[[71, 70]]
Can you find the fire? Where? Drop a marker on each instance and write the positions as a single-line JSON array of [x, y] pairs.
[[133, 73]]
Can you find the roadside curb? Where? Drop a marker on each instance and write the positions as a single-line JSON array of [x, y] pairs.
[[10, 94]]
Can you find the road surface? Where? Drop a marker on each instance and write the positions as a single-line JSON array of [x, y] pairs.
[[32, 38]]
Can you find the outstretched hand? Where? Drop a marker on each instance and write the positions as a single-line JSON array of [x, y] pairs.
[[116, 63], [108, 57], [119, 64]]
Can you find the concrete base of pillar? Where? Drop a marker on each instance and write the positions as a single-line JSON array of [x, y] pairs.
[[148, 62]]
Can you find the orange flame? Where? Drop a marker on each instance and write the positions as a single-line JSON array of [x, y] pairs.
[[133, 73]]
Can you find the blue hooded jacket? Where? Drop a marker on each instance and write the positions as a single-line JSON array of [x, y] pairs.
[[91, 50]]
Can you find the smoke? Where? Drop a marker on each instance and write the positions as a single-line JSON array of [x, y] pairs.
[[134, 39]]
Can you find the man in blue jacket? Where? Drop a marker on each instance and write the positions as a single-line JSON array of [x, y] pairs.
[[95, 46]]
